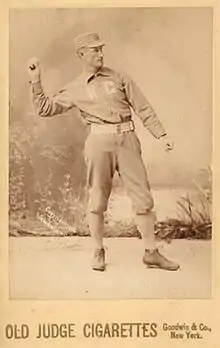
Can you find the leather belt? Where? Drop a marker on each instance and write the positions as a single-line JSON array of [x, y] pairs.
[[112, 128]]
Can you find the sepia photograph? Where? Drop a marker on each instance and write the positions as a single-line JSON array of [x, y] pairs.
[[110, 153]]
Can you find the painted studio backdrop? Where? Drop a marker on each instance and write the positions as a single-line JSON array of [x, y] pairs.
[[169, 60]]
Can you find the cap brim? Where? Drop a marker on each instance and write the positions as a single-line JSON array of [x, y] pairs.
[[97, 43]]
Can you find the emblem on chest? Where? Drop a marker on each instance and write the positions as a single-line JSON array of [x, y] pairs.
[[98, 90]]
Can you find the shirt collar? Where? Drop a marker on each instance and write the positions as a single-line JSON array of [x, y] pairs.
[[87, 76]]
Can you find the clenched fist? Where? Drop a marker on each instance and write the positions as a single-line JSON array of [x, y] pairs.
[[167, 143], [34, 69]]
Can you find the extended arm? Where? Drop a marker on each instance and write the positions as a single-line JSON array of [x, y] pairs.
[[142, 108]]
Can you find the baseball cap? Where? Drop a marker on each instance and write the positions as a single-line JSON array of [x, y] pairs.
[[88, 40]]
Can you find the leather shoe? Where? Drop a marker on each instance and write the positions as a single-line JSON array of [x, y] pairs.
[[99, 260], [153, 259]]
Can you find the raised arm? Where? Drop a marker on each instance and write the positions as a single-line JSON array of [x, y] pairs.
[[44, 105]]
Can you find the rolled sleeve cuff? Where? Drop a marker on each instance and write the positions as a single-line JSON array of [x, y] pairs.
[[159, 133], [157, 130], [36, 87], [162, 135]]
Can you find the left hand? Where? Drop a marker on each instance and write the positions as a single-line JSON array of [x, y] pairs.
[[166, 143]]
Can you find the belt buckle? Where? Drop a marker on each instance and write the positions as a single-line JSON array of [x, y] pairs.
[[131, 125], [118, 128]]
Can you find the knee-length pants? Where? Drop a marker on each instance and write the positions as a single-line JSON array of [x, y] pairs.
[[107, 153]]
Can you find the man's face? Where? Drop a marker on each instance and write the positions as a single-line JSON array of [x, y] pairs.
[[92, 56]]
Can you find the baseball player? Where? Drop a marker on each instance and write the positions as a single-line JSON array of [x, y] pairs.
[[105, 99]]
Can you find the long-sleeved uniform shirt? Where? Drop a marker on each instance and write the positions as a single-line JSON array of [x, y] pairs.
[[104, 97]]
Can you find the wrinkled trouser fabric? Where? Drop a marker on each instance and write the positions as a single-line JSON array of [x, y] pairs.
[[107, 153]]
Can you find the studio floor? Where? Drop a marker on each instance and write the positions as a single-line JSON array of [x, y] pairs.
[[60, 268]]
